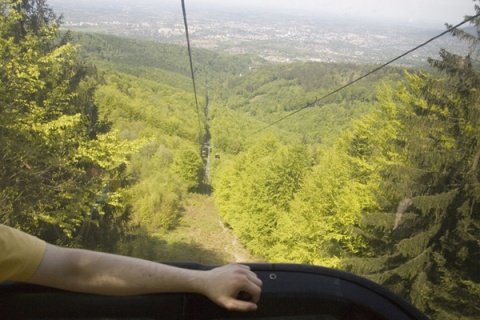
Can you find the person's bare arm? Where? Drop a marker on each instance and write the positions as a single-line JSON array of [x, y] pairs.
[[101, 273]]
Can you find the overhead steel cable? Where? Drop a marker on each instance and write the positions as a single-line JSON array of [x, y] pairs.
[[312, 103], [191, 67]]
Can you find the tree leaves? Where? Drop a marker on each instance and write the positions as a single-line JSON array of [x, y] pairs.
[[55, 160], [428, 156]]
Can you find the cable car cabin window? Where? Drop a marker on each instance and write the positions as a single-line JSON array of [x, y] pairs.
[[295, 292]]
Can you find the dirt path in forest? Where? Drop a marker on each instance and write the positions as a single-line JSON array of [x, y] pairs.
[[202, 237]]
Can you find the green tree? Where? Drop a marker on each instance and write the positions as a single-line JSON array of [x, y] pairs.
[[253, 190], [428, 251], [56, 156], [322, 226], [188, 165]]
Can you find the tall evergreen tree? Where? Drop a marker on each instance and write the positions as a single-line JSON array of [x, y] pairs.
[[428, 162]]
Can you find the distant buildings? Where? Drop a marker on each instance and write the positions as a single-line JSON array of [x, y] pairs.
[[277, 38]]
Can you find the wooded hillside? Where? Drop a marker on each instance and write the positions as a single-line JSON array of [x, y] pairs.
[[101, 143]]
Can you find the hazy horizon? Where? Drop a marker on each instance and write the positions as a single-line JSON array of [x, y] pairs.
[[416, 12], [413, 11]]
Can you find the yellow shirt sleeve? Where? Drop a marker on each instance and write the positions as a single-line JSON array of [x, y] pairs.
[[20, 254]]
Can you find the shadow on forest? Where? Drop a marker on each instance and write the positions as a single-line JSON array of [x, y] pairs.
[[203, 189], [140, 244]]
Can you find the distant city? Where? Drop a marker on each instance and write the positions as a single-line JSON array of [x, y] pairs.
[[278, 37]]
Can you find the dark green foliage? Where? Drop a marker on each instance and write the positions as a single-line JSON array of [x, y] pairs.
[[163, 63], [36, 14], [271, 93], [430, 181]]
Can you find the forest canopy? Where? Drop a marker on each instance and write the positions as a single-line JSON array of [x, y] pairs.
[[101, 142]]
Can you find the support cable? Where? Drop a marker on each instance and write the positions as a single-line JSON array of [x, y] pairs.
[[312, 103], [191, 68]]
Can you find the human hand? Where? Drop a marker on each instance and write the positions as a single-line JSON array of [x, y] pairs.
[[223, 286]]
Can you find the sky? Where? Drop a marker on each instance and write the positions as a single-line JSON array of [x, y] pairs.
[[413, 11]]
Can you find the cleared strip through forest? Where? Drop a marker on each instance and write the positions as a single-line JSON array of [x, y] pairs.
[[202, 237]]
